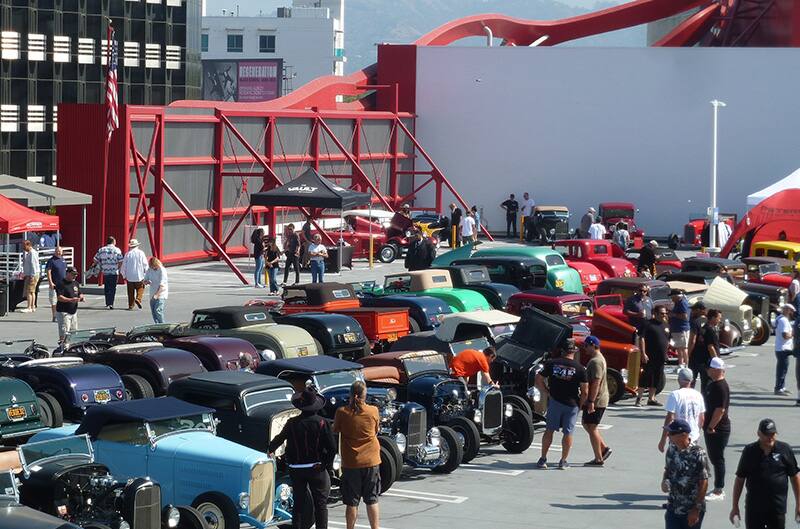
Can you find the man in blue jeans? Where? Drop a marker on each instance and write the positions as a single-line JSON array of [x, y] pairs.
[[567, 389], [685, 479], [317, 254]]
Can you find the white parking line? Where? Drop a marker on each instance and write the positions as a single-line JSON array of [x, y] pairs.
[[425, 496], [599, 427], [331, 522], [488, 470]]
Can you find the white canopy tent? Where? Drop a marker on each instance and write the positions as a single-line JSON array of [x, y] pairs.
[[790, 182]]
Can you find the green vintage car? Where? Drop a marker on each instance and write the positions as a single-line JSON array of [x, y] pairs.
[[19, 411], [433, 283], [559, 273], [251, 323]]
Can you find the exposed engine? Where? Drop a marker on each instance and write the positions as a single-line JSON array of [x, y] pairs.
[[450, 400]]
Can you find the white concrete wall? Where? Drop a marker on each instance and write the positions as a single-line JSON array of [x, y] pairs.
[[305, 44], [578, 126]]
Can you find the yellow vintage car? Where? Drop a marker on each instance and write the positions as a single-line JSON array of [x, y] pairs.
[[785, 249]]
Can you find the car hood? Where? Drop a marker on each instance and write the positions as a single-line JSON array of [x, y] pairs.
[[19, 389], [723, 296], [462, 299], [208, 448], [89, 377]]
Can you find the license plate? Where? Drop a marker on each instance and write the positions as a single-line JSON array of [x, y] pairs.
[[392, 337], [303, 351], [17, 413], [350, 337], [559, 283], [102, 396]]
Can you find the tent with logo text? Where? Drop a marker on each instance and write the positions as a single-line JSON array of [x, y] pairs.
[[310, 190], [775, 217], [16, 218]]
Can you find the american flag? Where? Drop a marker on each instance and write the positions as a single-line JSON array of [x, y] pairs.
[[111, 84]]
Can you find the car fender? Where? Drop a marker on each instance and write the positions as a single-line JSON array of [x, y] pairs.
[[572, 276]]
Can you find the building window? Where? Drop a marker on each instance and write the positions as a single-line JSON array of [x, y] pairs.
[[173, 57], [266, 43], [37, 47], [204, 42], [235, 43], [152, 55], [36, 116], [130, 57], [9, 118], [85, 51], [60, 48], [9, 42]]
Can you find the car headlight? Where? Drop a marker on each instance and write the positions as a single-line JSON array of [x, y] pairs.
[[125, 525], [552, 231], [391, 394], [534, 394], [400, 440], [284, 492], [337, 462], [781, 300], [509, 410], [244, 501], [434, 436], [624, 374], [172, 516], [627, 273], [477, 416], [268, 355]]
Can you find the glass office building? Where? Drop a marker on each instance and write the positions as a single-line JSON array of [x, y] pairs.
[[54, 51]]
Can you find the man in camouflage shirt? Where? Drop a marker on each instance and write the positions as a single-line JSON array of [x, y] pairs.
[[685, 479]]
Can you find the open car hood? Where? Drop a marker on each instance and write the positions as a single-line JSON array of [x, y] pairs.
[[722, 295], [537, 333]]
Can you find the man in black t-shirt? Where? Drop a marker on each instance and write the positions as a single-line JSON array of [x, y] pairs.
[[654, 344], [705, 348], [567, 388], [717, 427], [68, 295], [455, 220], [765, 467], [512, 210]]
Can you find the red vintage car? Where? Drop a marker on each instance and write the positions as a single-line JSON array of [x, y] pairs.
[[695, 232], [605, 255], [667, 261], [612, 213], [574, 307], [768, 270]]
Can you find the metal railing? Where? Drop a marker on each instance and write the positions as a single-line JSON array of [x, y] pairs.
[[11, 262]]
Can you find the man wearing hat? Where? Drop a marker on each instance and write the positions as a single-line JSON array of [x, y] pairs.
[[597, 400], [310, 450], [685, 478], [421, 252], [586, 222], [784, 346], [68, 294], [133, 270], [717, 426], [679, 325], [764, 467], [686, 404], [646, 266]]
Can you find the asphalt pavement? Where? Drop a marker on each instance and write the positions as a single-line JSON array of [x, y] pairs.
[[496, 490]]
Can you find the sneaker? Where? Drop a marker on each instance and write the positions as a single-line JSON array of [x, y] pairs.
[[563, 464], [797, 402], [26, 310], [542, 463], [607, 453], [715, 495], [638, 402], [653, 402], [593, 463]]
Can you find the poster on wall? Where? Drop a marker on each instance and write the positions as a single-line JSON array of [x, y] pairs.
[[246, 81]]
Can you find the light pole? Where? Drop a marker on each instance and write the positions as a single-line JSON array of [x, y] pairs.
[[712, 211]]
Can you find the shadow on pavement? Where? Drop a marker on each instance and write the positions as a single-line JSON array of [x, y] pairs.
[[624, 500]]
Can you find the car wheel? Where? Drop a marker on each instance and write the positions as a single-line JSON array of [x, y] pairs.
[[615, 384], [387, 253], [191, 518], [761, 333], [388, 469], [518, 402], [469, 436], [96, 526], [413, 326], [52, 414], [217, 510], [137, 387], [452, 451], [736, 331], [517, 432], [392, 447]]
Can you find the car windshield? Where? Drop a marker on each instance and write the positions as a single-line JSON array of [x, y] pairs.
[[8, 485], [397, 283], [577, 308], [327, 381], [270, 396], [502, 330], [614, 213], [76, 446], [554, 260], [202, 421], [424, 364], [102, 333], [480, 344], [771, 268]]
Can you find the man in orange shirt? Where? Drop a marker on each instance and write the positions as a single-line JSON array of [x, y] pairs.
[[470, 362]]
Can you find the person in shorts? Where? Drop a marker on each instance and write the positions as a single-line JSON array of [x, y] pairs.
[[596, 401], [69, 294], [358, 424], [654, 345], [679, 325], [566, 390], [31, 273]]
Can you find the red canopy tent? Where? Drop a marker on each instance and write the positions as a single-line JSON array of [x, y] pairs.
[[16, 218], [776, 213]]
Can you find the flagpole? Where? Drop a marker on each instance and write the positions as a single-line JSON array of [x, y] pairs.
[[109, 32]]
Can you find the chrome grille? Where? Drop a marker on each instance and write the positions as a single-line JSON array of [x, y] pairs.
[[262, 491], [147, 508], [493, 410], [415, 436]]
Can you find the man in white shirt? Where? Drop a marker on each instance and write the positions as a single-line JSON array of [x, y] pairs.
[[133, 270], [686, 404], [467, 227], [109, 258], [597, 231], [317, 254], [794, 286], [784, 345]]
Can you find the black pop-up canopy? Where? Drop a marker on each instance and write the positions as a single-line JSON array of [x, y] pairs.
[[310, 190]]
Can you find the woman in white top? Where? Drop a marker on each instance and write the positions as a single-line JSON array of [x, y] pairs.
[[156, 277], [317, 254]]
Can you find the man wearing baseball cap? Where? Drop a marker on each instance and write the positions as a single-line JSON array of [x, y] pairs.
[[597, 400], [68, 294], [685, 478], [685, 403], [717, 427], [765, 467]]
